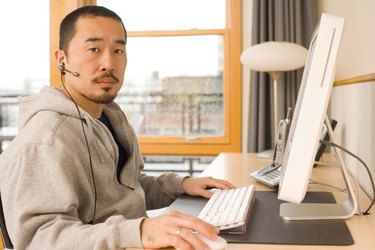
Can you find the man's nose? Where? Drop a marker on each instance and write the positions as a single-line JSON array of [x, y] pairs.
[[107, 62]]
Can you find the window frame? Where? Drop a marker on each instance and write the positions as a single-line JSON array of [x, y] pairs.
[[182, 145]]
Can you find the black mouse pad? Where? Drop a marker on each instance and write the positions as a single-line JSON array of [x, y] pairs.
[[266, 227]]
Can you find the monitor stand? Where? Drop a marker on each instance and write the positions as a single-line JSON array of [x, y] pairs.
[[324, 211]]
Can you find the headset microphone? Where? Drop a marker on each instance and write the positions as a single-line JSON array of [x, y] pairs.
[[63, 70]]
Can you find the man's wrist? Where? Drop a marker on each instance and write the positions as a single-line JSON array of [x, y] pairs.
[[182, 183]]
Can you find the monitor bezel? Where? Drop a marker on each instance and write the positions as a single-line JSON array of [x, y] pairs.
[[303, 140], [310, 111]]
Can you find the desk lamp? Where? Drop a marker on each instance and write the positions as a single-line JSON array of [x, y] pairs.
[[274, 58]]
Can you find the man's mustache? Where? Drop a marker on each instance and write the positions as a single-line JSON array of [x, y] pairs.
[[105, 75]]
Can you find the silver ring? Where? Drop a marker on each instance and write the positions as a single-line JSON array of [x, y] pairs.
[[178, 232]]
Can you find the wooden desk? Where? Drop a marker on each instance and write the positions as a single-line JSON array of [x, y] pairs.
[[236, 167]]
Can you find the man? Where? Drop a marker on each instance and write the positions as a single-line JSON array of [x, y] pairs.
[[72, 178]]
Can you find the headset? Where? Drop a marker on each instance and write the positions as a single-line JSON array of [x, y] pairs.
[[62, 70]]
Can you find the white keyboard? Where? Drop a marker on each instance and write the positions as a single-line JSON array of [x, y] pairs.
[[227, 209]]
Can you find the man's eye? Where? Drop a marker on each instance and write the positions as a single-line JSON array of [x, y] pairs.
[[119, 51], [94, 50]]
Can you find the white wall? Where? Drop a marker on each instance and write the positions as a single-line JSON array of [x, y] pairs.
[[353, 105]]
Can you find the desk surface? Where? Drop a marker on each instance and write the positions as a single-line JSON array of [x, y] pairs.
[[236, 167]]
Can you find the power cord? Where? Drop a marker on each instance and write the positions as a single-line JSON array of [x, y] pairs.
[[332, 144], [314, 182]]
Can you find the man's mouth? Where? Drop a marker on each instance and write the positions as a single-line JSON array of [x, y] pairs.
[[106, 80], [105, 83]]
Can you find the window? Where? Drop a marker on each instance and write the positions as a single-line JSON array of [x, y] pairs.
[[182, 89], [24, 65], [25, 52]]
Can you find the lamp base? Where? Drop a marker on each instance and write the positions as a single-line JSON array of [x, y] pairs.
[[267, 154]]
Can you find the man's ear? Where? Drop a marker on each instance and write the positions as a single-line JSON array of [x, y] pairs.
[[60, 56]]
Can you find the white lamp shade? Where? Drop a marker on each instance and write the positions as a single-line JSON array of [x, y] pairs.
[[274, 56]]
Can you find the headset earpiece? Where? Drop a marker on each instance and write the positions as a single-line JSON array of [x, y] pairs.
[[61, 67]]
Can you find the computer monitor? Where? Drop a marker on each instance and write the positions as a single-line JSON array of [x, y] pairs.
[[307, 123]]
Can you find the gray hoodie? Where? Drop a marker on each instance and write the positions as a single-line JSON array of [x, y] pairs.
[[48, 186]]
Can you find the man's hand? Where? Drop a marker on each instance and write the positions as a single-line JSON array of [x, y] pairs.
[[201, 186], [175, 229]]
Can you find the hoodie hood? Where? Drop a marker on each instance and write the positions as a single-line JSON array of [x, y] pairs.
[[31, 105]]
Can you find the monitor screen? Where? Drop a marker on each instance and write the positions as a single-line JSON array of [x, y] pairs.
[[309, 114]]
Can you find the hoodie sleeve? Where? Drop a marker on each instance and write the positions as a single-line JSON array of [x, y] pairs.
[[41, 205], [162, 190]]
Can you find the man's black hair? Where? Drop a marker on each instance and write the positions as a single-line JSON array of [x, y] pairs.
[[68, 24]]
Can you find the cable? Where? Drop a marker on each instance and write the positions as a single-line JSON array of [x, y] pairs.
[[88, 147], [332, 144], [328, 185]]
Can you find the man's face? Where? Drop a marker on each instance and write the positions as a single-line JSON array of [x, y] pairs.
[[97, 52]]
